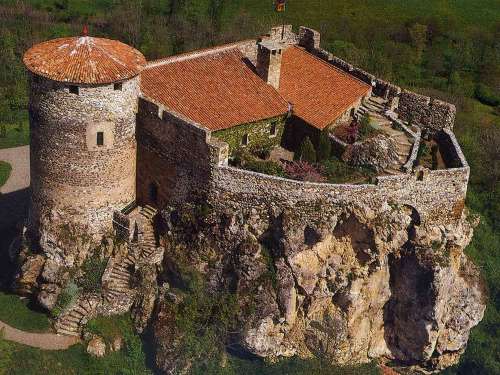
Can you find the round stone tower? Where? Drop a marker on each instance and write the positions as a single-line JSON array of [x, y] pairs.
[[83, 105]]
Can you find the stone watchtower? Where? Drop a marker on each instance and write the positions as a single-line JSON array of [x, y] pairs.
[[83, 104]]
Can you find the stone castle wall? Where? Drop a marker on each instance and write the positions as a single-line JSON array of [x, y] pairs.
[[430, 114], [173, 152], [437, 196], [187, 162], [70, 175]]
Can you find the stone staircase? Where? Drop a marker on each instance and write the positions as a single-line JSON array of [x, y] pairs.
[[117, 290], [71, 321], [376, 108], [403, 149]]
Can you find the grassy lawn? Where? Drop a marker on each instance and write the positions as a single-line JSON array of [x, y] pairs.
[[16, 359], [16, 313], [15, 135], [5, 169]]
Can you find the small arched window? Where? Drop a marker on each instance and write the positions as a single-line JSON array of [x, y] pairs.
[[118, 86]]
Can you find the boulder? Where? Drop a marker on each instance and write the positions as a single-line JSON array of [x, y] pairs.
[[96, 347]]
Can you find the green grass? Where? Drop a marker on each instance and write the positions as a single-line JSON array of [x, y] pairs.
[[16, 359], [110, 327], [5, 169], [339, 172], [290, 366], [16, 135], [16, 313]]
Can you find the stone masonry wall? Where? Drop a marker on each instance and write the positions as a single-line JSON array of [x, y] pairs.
[[73, 179], [259, 133], [437, 196], [430, 114], [173, 153]]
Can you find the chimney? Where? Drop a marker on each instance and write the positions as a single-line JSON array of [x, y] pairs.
[[269, 55]]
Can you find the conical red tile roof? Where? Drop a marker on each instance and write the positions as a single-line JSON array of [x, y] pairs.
[[84, 60]]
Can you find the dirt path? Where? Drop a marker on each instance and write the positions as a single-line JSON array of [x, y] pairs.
[[45, 341], [19, 159]]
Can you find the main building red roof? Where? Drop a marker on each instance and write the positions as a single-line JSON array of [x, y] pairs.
[[214, 88], [319, 92], [84, 60]]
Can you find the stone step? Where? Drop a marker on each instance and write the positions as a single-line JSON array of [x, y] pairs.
[[81, 309], [119, 288], [119, 278], [65, 332], [120, 274]]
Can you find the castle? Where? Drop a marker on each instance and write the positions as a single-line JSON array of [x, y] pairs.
[[134, 163], [111, 131]]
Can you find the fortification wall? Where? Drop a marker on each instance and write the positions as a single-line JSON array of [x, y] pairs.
[[430, 114], [173, 152], [438, 196], [72, 178]]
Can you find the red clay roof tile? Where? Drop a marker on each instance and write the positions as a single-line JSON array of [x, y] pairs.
[[84, 60], [214, 88], [319, 92]]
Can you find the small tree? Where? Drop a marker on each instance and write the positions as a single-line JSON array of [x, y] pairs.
[[3, 131], [324, 147], [306, 151], [365, 129]]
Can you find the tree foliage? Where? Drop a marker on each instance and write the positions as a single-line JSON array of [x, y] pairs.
[[306, 151]]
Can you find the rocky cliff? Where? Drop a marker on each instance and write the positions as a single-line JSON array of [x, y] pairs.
[[356, 285]]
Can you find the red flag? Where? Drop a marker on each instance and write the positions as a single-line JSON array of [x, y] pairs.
[[280, 5]]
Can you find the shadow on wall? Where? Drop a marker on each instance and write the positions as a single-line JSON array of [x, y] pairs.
[[13, 208]]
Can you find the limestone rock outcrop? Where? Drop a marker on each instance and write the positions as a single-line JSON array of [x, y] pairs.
[[379, 152], [358, 285]]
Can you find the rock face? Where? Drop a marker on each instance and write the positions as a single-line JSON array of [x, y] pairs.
[[96, 347], [379, 152], [356, 286]]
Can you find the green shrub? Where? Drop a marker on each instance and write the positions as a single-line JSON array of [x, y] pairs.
[[486, 95], [365, 129], [324, 147], [93, 268], [266, 167], [66, 298], [306, 151]]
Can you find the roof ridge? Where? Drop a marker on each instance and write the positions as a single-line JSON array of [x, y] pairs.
[[330, 65], [194, 54]]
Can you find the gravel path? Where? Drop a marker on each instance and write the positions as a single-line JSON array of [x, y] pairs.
[[45, 341], [19, 159]]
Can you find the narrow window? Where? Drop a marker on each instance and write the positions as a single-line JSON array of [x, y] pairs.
[[100, 138], [273, 52], [274, 129], [118, 86], [245, 140], [74, 90]]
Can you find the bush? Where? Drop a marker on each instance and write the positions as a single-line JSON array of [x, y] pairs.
[[324, 147], [365, 130], [486, 95], [66, 298], [306, 151], [93, 268], [303, 171], [266, 167]]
